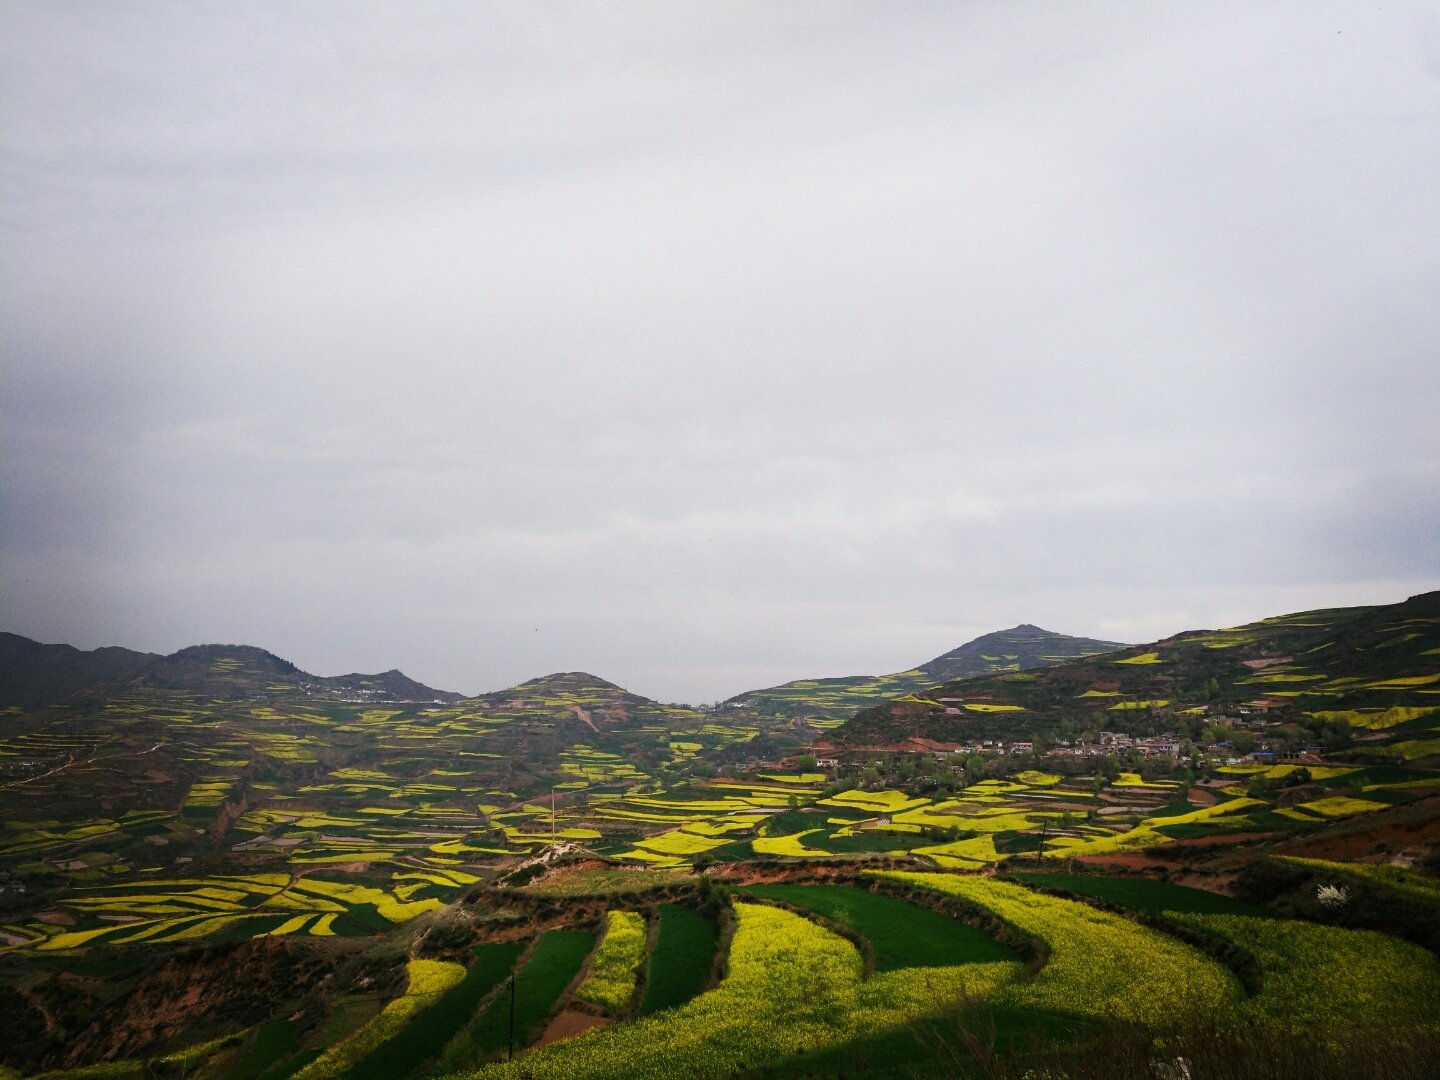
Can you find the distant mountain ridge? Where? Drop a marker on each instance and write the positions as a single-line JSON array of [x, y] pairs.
[[33, 675], [1020, 648]]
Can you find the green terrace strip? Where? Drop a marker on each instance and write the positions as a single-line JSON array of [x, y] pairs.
[[793, 988], [900, 934], [682, 959], [538, 986], [616, 964], [428, 979], [178, 1063], [1328, 978], [425, 1037], [1100, 965], [273, 1041], [1141, 894]]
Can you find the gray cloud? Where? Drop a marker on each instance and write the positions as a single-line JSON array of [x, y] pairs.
[[704, 347]]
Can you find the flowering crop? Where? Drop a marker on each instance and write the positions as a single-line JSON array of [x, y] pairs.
[[1342, 806], [1038, 779], [964, 854], [617, 961], [883, 801], [1377, 719], [793, 987], [1147, 832], [793, 845], [678, 842], [347, 893], [1130, 779], [1396, 877], [1326, 976], [428, 980], [1100, 964]]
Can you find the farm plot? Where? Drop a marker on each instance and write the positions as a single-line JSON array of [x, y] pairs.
[[792, 988], [604, 882], [538, 986], [1409, 882], [1327, 977], [425, 1037], [1101, 965], [616, 964], [427, 981], [681, 961], [227, 908], [1141, 894], [1153, 829], [901, 935]]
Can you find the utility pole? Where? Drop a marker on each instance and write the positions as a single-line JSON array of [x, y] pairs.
[[552, 816], [510, 1053]]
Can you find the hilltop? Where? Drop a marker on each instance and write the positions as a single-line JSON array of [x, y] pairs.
[[1020, 648], [588, 698]]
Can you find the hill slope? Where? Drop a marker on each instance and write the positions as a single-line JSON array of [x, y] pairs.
[[33, 675], [1017, 649], [1372, 670]]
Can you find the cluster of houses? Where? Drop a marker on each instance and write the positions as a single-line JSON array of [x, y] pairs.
[[1172, 746], [828, 756]]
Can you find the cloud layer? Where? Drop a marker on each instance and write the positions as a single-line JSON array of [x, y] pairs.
[[707, 346]]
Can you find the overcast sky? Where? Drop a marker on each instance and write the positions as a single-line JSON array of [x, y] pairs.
[[704, 346]]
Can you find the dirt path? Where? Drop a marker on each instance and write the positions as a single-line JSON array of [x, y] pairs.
[[39, 1005], [72, 763]]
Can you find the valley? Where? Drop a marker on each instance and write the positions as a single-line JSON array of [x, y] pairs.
[[216, 864]]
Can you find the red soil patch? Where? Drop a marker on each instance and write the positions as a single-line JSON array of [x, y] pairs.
[[1216, 883], [1200, 797], [1172, 852], [1220, 839], [570, 1023], [1417, 834], [1138, 863]]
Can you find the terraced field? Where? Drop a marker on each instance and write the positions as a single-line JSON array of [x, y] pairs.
[[368, 850], [795, 991], [399, 853]]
